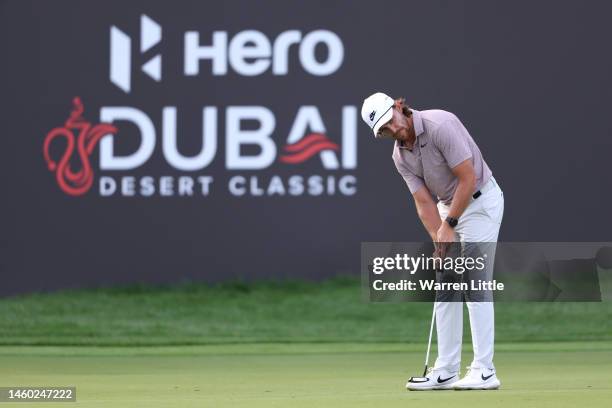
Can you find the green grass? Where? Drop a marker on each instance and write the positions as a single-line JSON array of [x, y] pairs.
[[305, 375], [286, 344], [287, 312]]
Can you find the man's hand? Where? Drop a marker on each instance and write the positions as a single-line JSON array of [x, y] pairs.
[[444, 237]]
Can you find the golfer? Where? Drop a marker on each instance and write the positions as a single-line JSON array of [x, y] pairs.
[[436, 156]]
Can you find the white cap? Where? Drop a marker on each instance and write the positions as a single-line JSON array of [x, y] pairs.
[[376, 111]]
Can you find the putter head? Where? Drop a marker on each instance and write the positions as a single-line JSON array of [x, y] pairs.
[[418, 379]]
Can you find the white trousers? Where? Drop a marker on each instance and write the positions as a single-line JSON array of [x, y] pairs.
[[480, 222]]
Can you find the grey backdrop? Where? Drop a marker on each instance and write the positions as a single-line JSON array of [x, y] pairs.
[[530, 80]]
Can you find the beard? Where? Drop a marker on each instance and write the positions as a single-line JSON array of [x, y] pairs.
[[402, 134]]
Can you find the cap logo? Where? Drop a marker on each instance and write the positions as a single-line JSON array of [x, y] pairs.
[[372, 115]]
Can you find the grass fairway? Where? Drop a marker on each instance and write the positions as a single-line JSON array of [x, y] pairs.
[[305, 375], [287, 344]]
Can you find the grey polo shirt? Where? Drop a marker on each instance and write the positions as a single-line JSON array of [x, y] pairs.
[[442, 142]]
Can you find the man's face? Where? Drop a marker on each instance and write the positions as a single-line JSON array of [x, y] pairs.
[[398, 128]]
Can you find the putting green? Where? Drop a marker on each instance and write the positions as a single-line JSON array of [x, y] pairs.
[[304, 375]]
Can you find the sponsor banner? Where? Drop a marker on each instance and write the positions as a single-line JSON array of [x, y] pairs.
[[252, 139], [152, 141]]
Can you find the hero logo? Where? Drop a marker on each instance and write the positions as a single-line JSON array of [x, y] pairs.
[[121, 53], [249, 53], [249, 131]]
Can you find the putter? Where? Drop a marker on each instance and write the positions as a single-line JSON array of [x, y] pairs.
[[433, 319], [424, 378]]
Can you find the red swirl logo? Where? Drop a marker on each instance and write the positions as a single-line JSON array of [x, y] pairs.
[[72, 182], [306, 148]]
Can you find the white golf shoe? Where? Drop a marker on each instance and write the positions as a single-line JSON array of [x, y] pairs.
[[478, 379], [436, 379]]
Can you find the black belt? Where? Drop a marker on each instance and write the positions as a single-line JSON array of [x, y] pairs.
[[476, 194]]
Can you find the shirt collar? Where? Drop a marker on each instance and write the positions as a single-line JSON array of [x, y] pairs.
[[417, 122]]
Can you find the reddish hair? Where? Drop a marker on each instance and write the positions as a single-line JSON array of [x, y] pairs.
[[401, 101]]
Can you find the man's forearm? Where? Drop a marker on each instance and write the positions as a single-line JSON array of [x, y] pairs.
[[430, 217], [462, 197]]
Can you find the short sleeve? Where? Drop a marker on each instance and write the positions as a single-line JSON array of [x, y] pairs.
[[451, 138], [413, 181]]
